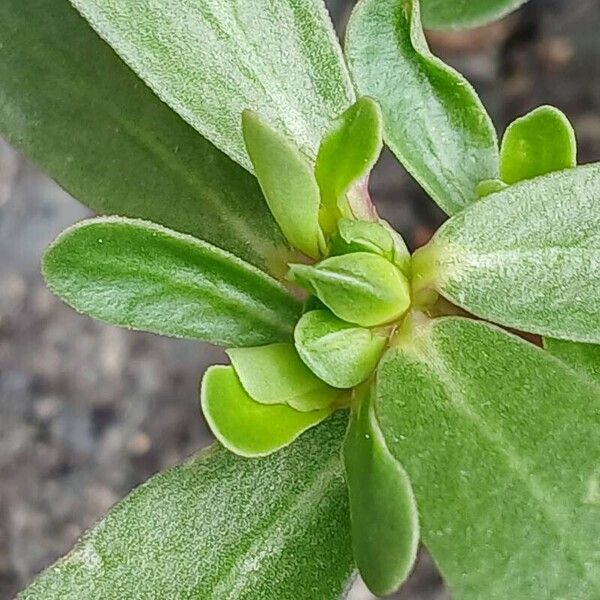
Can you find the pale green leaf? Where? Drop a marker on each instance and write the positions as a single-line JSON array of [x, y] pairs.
[[541, 142], [453, 14], [360, 288], [338, 352], [383, 512], [142, 276], [585, 358], [527, 257], [288, 183], [275, 374], [245, 426], [221, 527], [346, 156], [210, 60], [490, 186], [71, 105], [500, 441], [433, 120]]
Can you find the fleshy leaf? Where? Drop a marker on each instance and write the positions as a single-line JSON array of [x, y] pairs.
[[209, 60], [338, 352], [527, 257], [275, 374], [490, 186], [500, 441], [383, 512], [244, 426], [347, 154], [433, 120], [220, 526], [539, 143], [450, 14], [114, 145], [288, 183], [585, 358], [360, 288], [139, 275]]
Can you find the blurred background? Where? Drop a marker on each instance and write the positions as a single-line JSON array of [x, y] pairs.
[[88, 411]]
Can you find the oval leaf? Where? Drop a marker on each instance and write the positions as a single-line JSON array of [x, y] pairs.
[[244, 426], [500, 441], [288, 183], [142, 276], [433, 120], [450, 14], [339, 353], [220, 526], [275, 374], [114, 145], [527, 257], [360, 288], [383, 512], [209, 60], [539, 143]]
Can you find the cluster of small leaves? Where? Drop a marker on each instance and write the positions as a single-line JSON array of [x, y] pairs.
[[461, 434]]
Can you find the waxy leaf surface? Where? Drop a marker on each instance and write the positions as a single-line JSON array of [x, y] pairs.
[[433, 120], [210, 60], [527, 257], [221, 527], [500, 441], [245, 426], [450, 14], [383, 512], [275, 374], [142, 276], [340, 353], [76, 109], [536, 144], [288, 183]]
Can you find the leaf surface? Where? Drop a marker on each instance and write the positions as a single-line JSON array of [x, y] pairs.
[[433, 120], [383, 512], [210, 60], [450, 14], [585, 358], [500, 441], [140, 275], [71, 105], [245, 426], [527, 257], [221, 527]]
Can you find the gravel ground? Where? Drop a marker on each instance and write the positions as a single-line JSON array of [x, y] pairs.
[[88, 411]]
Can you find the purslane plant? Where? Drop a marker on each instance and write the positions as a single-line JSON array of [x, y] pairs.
[[373, 398]]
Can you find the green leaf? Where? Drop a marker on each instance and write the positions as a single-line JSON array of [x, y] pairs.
[[142, 276], [433, 120], [210, 60], [275, 374], [339, 353], [383, 512], [245, 426], [71, 105], [585, 358], [450, 14], [360, 288], [490, 186], [500, 441], [288, 183], [346, 156], [541, 142], [527, 257], [219, 526]]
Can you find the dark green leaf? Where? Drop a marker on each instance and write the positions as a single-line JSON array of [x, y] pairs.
[[142, 276], [210, 60], [69, 103], [433, 120], [451, 14], [221, 527], [500, 441], [585, 358], [383, 512], [527, 257]]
